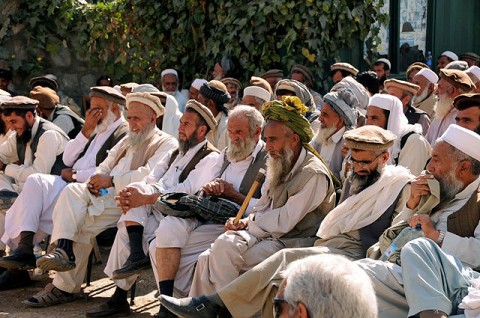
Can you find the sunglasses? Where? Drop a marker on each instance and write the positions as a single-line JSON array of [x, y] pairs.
[[277, 306]]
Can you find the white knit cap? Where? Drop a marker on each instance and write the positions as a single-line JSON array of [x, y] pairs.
[[257, 92], [429, 75], [450, 55], [463, 139], [475, 71], [198, 82], [147, 99], [169, 71]]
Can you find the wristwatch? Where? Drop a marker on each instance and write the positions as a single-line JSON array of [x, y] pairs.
[[74, 174], [440, 238]]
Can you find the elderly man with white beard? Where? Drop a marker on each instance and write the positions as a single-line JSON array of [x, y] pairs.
[[28, 223], [410, 150], [373, 194], [170, 85], [452, 83], [83, 210], [425, 98], [436, 270], [338, 114]]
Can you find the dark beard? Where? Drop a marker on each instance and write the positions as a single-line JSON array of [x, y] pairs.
[[26, 136], [184, 146], [360, 183]]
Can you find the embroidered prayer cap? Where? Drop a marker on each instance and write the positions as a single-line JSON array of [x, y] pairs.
[[272, 73], [202, 111], [147, 99], [475, 71], [358, 89], [290, 111], [429, 75], [343, 102], [457, 65], [231, 81], [463, 139], [458, 79], [47, 97], [19, 103], [48, 80], [344, 67], [257, 91], [465, 101], [415, 66], [216, 91], [403, 85], [470, 55], [108, 93], [198, 82], [297, 88], [298, 68], [260, 82], [452, 56], [169, 71], [369, 137], [386, 61]]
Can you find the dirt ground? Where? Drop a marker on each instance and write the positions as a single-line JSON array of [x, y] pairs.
[[146, 303]]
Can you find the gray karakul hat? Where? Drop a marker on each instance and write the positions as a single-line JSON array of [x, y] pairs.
[[109, 93], [19, 103]]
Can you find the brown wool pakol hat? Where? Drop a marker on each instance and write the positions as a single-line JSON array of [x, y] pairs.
[[403, 85], [203, 111], [344, 67], [465, 101], [109, 93], [458, 79], [46, 97], [147, 99], [369, 138], [272, 73], [260, 82], [19, 103], [232, 81], [304, 70]]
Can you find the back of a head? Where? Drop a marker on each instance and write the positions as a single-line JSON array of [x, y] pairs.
[[330, 286]]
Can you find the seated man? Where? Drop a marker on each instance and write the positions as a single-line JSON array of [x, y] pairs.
[[183, 172], [312, 287], [425, 98], [297, 196], [28, 223], [85, 209], [436, 270], [468, 116], [410, 149], [373, 194]]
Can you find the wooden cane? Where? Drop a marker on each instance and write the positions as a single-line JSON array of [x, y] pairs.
[[253, 188]]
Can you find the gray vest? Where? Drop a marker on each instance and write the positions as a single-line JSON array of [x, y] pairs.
[[77, 121]]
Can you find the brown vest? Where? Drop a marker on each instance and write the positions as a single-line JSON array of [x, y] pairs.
[[464, 221]]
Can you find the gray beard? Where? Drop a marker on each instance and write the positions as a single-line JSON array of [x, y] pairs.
[[323, 134], [278, 169], [168, 92], [136, 139], [103, 126], [242, 151], [360, 183], [449, 187], [443, 106], [184, 146], [420, 98]]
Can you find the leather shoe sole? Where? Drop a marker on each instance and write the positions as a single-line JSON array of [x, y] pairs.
[[132, 268], [106, 310]]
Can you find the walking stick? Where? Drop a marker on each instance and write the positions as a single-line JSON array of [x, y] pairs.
[[253, 188]]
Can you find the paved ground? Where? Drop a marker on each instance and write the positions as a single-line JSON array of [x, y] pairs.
[[146, 303]]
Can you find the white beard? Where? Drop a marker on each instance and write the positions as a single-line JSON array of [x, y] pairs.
[[168, 92], [103, 126], [323, 134], [136, 139], [278, 169], [443, 106], [241, 151], [420, 98]]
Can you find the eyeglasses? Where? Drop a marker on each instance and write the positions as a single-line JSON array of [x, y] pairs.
[[277, 306], [362, 163]]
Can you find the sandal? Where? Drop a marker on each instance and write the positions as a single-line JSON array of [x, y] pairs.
[[49, 296]]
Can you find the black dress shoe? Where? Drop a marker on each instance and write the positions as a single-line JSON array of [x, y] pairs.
[[131, 268], [198, 307], [109, 309], [11, 279], [19, 259]]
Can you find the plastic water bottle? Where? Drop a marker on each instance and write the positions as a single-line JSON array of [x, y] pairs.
[[405, 236], [103, 192], [429, 59], [37, 251]]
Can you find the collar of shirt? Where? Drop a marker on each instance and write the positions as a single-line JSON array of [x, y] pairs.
[[336, 137], [301, 157], [468, 191], [35, 125], [194, 149]]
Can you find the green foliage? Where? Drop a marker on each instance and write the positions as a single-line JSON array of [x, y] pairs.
[[136, 39]]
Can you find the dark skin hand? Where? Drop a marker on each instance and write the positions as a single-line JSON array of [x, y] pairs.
[[92, 116], [67, 174], [131, 197], [99, 181], [223, 189]]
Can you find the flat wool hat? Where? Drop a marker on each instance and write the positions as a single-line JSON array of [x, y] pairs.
[[145, 88], [129, 86], [465, 101], [457, 65], [450, 55], [47, 97], [457, 78], [344, 67], [109, 93], [231, 81], [429, 75], [147, 99], [369, 137], [48, 80], [304, 70], [475, 71], [202, 111], [463, 139], [19, 103], [272, 73], [403, 85], [260, 82], [470, 55], [257, 92], [415, 66]]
